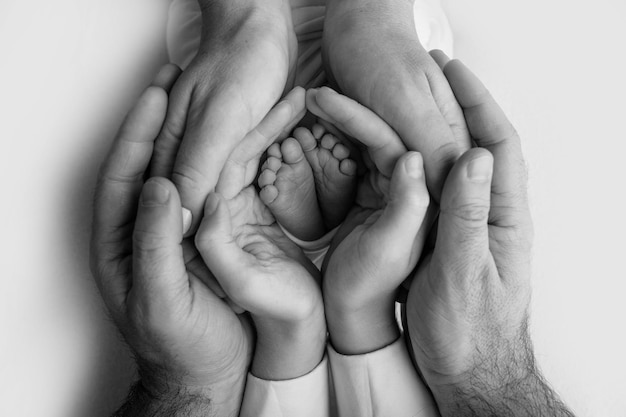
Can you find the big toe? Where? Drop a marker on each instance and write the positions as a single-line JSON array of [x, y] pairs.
[[292, 151]]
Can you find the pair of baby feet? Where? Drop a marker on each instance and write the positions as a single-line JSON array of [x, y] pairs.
[[308, 181]]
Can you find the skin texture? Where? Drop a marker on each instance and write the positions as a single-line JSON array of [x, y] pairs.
[[467, 308], [380, 241], [372, 54], [245, 62], [192, 350], [261, 270]]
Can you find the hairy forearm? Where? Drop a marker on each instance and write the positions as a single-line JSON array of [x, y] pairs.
[[505, 382], [527, 397], [141, 403]]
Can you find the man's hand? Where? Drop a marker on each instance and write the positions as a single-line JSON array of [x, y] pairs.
[[247, 51], [192, 350], [372, 54], [467, 308]]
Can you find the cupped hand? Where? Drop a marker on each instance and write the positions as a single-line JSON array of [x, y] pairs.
[[380, 241], [257, 265], [159, 293], [468, 304], [247, 52], [372, 54]]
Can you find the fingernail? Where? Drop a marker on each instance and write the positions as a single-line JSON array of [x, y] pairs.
[[414, 165], [479, 169], [211, 204], [154, 194], [186, 220]]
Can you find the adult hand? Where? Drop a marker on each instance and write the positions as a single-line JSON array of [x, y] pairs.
[[372, 54], [192, 350], [467, 308], [241, 70]]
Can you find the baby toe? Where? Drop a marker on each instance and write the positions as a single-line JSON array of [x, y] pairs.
[[272, 163], [292, 151], [318, 131], [266, 178], [305, 139], [348, 167], [341, 151], [268, 194], [329, 141], [274, 150]]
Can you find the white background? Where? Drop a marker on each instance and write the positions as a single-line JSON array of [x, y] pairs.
[[70, 70]]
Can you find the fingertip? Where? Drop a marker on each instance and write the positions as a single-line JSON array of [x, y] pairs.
[[480, 167], [414, 164], [440, 57], [167, 76]]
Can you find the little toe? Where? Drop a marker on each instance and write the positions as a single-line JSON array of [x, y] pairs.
[[348, 167], [292, 151], [268, 194]]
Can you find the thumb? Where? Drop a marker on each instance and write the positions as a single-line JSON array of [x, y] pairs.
[[159, 272], [216, 243], [399, 225], [465, 203]]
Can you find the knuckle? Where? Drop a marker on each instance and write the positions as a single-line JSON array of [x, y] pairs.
[[186, 177], [474, 211], [148, 240]]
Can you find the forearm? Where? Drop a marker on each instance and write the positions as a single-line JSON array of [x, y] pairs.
[[178, 403], [528, 397]]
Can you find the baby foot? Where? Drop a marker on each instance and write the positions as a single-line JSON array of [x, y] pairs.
[[334, 173], [288, 189]]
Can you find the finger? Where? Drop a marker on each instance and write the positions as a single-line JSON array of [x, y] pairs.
[[171, 134], [440, 57], [160, 278], [167, 76], [212, 132], [119, 184], [491, 129], [384, 145], [462, 236], [400, 224], [217, 245], [241, 167]]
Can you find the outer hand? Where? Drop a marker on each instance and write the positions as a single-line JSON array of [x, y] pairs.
[[372, 53], [240, 72], [467, 308], [159, 293]]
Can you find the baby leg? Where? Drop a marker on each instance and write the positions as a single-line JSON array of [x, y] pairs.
[[288, 189], [333, 170]]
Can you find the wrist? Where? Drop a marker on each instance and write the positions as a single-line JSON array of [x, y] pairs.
[[356, 330], [289, 349], [222, 396]]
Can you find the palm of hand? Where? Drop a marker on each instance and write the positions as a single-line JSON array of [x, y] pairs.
[[278, 280], [359, 259]]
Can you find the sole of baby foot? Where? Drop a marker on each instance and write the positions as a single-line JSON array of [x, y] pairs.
[[288, 189], [333, 170]]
